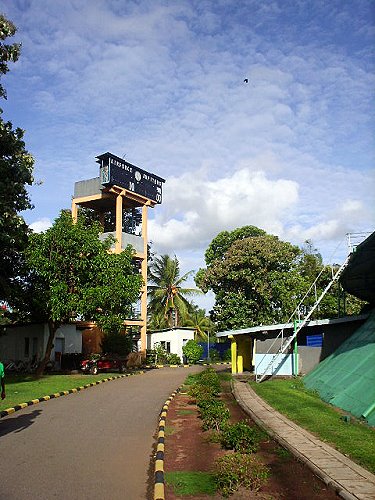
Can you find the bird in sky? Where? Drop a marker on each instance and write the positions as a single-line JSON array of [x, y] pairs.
[[246, 80]]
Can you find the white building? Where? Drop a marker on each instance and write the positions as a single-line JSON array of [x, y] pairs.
[[171, 339], [26, 342]]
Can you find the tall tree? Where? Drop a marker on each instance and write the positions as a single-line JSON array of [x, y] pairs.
[[221, 243], [166, 294], [202, 324], [72, 275], [317, 276], [255, 281], [16, 172]]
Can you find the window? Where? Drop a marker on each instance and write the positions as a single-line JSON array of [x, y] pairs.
[[168, 347]]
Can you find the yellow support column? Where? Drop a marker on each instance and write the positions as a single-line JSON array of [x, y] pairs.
[[144, 276], [118, 223], [74, 211], [233, 348]]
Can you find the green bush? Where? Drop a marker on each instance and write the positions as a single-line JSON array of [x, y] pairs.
[[173, 359], [240, 437], [235, 470], [227, 355], [150, 357], [215, 415], [209, 378], [201, 392], [214, 355], [192, 351]]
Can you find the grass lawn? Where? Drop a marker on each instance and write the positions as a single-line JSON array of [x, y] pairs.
[[21, 388], [191, 483], [290, 397]]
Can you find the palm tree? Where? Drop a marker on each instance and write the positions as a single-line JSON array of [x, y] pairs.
[[165, 292], [200, 322]]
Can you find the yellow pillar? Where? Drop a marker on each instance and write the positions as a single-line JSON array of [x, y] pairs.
[[233, 347], [240, 360], [74, 211], [254, 352], [118, 223], [144, 276]]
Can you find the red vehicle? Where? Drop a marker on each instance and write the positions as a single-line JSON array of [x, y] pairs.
[[103, 363]]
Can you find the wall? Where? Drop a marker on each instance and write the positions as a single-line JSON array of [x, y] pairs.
[[177, 337], [283, 364], [13, 344], [309, 357], [91, 340]]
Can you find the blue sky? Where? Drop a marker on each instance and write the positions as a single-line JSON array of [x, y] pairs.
[[162, 83]]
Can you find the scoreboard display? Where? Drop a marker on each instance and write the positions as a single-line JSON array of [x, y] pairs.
[[115, 171]]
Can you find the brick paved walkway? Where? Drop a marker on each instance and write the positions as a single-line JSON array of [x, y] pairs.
[[350, 480]]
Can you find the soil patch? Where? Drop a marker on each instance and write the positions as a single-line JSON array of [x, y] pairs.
[[188, 448]]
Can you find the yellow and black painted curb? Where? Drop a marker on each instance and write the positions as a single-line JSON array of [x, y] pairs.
[[9, 411], [159, 493], [186, 366]]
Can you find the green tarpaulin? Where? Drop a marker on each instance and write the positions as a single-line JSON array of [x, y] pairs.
[[346, 378]]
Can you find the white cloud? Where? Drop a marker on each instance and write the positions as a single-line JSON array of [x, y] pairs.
[[293, 151], [196, 209], [41, 225]]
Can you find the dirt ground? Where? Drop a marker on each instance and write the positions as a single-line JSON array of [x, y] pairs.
[[188, 448]]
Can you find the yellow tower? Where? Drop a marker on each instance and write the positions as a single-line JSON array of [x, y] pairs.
[[121, 196]]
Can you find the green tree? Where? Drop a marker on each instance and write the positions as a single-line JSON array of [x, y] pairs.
[[72, 275], [201, 323], [255, 281], [336, 302], [222, 242], [16, 172], [192, 351], [166, 295]]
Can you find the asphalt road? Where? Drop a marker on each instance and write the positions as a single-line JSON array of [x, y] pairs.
[[96, 444]]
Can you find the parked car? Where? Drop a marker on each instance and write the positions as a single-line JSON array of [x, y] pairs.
[[106, 362]]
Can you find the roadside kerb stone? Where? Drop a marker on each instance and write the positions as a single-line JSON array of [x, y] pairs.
[[159, 481], [348, 479]]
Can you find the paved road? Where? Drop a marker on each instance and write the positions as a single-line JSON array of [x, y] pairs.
[[96, 444]]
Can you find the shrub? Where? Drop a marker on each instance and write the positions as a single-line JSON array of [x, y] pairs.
[[240, 437], [173, 359], [235, 470], [209, 378], [201, 392], [214, 355], [215, 415], [161, 355], [150, 357], [227, 355], [193, 351]]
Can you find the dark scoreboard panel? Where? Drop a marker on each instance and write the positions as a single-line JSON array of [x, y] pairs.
[[116, 171]]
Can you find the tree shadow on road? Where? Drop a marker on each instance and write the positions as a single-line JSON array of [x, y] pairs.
[[19, 423]]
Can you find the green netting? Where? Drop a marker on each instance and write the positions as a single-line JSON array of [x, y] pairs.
[[346, 378]]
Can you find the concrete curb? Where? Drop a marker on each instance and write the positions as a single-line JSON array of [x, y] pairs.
[[186, 366], [159, 493], [346, 495], [19, 407]]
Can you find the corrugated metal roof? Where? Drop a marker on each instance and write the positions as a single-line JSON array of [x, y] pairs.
[[286, 326], [346, 378]]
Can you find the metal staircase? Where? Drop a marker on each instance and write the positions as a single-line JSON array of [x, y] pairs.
[[285, 343]]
